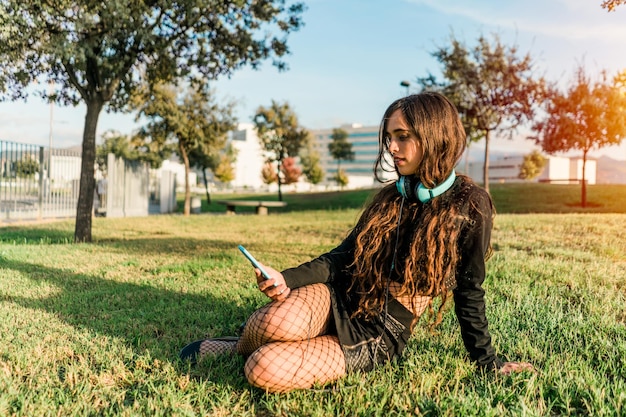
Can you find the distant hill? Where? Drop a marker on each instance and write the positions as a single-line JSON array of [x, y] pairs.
[[610, 171]]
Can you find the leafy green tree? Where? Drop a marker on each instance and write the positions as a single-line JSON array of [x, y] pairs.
[[99, 52], [280, 134], [132, 148], [494, 89], [218, 161], [340, 149], [341, 178], [115, 143], [190, 118], [311, 165], [27, 166], [532, 166], [589, 115]]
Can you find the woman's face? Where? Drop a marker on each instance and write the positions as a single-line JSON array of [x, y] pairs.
[[402, 144]]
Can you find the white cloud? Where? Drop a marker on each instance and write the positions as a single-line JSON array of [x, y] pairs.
[[567, 19]]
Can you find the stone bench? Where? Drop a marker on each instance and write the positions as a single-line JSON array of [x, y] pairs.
[[261, 206]]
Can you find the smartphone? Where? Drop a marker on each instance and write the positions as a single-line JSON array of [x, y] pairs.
[[254, 262]]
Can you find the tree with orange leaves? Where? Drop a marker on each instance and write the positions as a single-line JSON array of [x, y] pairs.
[[610, 5], [290, 171], [589, 115]]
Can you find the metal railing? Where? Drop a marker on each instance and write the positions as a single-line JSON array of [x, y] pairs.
[[36, 182]]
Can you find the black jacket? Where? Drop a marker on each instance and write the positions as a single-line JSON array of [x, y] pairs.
[[469, 296]]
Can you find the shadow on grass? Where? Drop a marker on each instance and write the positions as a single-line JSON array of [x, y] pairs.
[[146, 318], [182, 246]]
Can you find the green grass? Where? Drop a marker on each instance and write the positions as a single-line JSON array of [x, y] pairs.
[[553, 198], [95, 329], [508, 198]]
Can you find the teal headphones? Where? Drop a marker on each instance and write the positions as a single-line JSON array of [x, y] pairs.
[[423, 194]]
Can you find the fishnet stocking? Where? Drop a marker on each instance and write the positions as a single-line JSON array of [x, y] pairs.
[[420, 302], [286, 344], [303, 315], [283, 366], [217, 347]]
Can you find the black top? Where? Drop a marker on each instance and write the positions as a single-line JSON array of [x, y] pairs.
[[474, 242]]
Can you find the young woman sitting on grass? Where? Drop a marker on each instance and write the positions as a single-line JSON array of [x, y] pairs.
[[350, 309]]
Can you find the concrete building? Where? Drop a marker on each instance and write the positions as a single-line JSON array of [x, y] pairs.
[[558, 170], [364, 142], [250, 157]]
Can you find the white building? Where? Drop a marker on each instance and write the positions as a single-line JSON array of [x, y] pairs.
[[558, 170], [250, 157], [178, 170]]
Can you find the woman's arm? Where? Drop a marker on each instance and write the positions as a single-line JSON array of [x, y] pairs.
[[469, 296]]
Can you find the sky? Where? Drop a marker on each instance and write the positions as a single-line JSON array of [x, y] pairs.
[[347, 62]]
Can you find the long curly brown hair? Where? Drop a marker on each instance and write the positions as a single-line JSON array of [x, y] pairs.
[[426, 246]]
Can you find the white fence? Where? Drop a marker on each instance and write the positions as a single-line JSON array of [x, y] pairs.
[[37, 183], [40, 183]]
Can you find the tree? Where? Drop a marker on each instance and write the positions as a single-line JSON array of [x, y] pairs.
[[192, 119], [280, 134], [589, 115], [115, 143], [494, 90], [291, 172], [610, 5], [99, 52], [340, 149], [220, 162], [532, 166], [27, 166], [268, 173], [224, 170], [620, 80], [341, 178], [311, 165], [131, 148]]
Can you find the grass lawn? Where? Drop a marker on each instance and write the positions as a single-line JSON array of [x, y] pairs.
[[508, 198], [95, 329]]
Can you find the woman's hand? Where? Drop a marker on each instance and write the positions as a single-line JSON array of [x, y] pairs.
[[275, 288], [510, 367]]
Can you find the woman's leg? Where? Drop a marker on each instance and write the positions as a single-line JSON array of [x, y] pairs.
[[304, 315], [283, 366], [287, 344]]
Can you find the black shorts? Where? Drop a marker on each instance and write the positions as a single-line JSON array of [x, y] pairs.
[[368, 342]]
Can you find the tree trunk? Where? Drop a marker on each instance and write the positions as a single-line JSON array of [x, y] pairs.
[[486, 163], [84, 210], [206, 186], [183, 154], [583, 197], [338, 172], [280, 194]]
